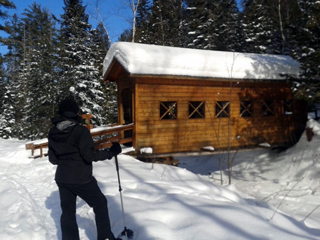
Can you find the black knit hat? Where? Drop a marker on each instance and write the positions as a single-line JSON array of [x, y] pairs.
[[68, 108]]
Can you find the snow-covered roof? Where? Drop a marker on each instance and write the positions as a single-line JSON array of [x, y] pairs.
[[144, 59]]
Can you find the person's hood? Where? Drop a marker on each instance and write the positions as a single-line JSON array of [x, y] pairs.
[[62, 128]]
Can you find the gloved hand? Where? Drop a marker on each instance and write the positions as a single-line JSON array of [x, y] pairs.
[[115, 148]]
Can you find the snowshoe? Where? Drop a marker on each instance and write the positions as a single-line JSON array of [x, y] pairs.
[[126, 234]]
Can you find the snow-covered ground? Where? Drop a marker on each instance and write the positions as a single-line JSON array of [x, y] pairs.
[[164, 202]]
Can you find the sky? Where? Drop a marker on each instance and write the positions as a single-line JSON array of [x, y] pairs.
[[113, 13]]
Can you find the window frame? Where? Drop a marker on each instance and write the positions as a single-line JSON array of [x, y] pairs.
[[222, 111], [198, 108], [168, 109], [248, 109], [268, 108]]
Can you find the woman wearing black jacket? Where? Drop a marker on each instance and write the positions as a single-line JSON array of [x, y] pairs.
[[71, 148]]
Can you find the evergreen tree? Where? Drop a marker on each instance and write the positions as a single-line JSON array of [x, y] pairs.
[[307, 50], [285, 14], [100, 46], [4, 121], [8, 5], [199, 22], [309, 39], [2, 80], [226, 33], [126, 36], [258, 26], [37, 69], [164, 26], [7, 116], [3, 15], [142, 20], [14, 43], [74, 38], [214, 25], [79, 63], [8, 75]]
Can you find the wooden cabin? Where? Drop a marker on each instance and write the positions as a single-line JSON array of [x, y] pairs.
[[182, 100]]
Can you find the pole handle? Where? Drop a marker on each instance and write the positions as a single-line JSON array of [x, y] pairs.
[[117, 164]]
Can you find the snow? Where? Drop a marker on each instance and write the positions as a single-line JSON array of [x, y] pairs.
[[165, 202], [208, 148], [144, 59], [146, 150]]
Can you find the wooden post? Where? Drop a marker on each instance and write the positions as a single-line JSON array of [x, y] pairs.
[[87, 117]]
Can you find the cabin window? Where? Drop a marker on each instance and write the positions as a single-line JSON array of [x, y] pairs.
[[267, 108], [168, 110], [246, 109], [287, 107], [196, 110], [222, 109]]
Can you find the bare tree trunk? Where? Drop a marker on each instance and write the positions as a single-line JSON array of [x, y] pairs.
[[95, 4], [134, 22], [281, 26], [133, 5]]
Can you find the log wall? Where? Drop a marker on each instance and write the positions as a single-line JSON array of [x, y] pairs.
[[184, 134]]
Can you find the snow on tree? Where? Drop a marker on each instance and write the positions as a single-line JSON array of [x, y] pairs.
[[79, 61], [306, 50], [37, 69], [163, 26], [258, 27], [212, 25], [100, 46]]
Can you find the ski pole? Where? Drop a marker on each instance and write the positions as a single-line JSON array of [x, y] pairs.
[[120, 191], [126, 232]]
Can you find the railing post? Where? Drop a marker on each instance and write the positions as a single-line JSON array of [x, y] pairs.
[[87, 118]]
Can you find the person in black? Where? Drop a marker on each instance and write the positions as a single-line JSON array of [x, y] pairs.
[[71, 148]]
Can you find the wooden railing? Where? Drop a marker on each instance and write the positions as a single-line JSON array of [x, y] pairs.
[[37, 145], [102, 137]]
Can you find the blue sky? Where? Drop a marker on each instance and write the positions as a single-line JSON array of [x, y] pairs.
[[115, 23], [109, 9]]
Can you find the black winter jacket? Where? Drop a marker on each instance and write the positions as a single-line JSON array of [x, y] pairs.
[[71, 148]]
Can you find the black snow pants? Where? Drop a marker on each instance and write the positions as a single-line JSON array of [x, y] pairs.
[[92, 195]]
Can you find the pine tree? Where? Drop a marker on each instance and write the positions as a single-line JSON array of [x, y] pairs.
[[14, 29], [309, 40], [164, 26], [2, 80], [142, 20], [37, 70], [79, 62], [8, 106], [4, 15], [286, 14], [7, 116], [8, 5], [5, 128], [258, 26], [226, 33], [307, 50], [198, 25], [213, 25], [100, 47]]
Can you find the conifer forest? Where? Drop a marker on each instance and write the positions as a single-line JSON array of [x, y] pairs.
[[52, 57]]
